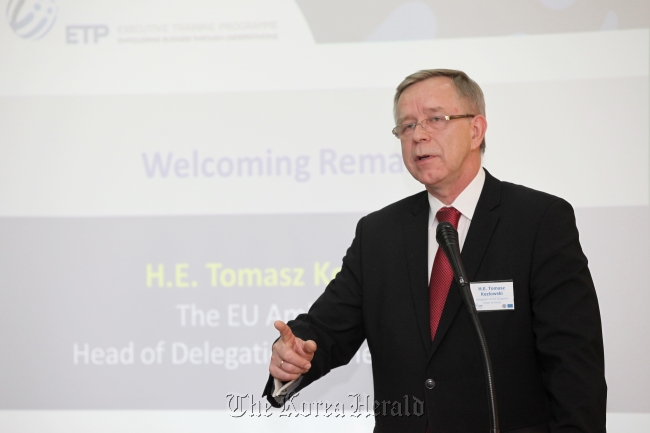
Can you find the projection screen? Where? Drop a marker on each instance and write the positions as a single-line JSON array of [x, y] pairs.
[[175, 176]]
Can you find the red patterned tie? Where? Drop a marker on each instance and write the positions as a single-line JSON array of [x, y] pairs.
[[441, 273]]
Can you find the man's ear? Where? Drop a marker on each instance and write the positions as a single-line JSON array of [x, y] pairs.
[[479, 127]]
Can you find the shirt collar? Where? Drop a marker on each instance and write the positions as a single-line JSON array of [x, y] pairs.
[[465, 203]]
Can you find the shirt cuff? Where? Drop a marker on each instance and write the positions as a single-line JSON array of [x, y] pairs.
[[281, 391]]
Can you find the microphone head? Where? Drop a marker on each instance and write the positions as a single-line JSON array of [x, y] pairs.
[[446, 234]]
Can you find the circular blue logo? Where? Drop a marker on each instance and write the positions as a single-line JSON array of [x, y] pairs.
[[31, 19]]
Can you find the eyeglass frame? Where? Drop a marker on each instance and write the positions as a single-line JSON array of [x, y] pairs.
[[422, 122]]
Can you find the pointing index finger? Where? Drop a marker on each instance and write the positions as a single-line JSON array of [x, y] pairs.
[[285, 332]]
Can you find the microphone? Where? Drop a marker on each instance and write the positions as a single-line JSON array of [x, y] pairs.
[[447, 238]]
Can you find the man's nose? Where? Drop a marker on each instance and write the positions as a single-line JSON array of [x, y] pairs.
[[420, 133]]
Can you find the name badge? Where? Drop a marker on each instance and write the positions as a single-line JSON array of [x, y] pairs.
[[493, 295]]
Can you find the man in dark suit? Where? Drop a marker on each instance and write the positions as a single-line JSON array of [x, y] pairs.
[[394, 290]]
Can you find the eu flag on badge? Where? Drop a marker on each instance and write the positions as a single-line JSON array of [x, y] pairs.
[[510, 305]]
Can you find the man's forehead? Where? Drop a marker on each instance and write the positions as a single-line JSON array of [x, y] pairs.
[[433, 95]]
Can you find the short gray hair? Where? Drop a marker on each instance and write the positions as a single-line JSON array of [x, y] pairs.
[[466, 88]]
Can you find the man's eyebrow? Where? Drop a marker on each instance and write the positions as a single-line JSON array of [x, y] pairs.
[[436, 109]]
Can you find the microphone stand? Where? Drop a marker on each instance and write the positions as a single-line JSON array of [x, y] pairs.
[[447, 238]]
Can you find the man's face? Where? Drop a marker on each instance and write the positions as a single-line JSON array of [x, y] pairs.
[[438, 158]]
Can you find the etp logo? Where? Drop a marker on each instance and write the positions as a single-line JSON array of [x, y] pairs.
[[85, 34], [31, 19]]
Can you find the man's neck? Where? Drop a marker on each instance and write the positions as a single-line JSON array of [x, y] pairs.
[[447, 194]]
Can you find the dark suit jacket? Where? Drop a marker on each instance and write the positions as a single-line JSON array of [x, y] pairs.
[[547, 354]]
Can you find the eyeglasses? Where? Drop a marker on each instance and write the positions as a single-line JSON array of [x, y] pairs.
[[436, 123]]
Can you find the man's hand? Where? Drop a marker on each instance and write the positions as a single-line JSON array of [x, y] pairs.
[[291, 357]]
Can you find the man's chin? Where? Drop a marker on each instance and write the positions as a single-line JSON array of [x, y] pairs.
[[431, 181]]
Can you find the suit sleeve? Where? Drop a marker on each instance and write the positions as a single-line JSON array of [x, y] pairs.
[[567, 325], [334, 321]]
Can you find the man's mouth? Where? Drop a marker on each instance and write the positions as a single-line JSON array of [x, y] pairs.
[[422, 157]]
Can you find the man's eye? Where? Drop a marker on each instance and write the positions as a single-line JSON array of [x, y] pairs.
[[436, 119], [409, 126]]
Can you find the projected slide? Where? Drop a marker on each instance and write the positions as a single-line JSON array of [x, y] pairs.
[[176, 176]]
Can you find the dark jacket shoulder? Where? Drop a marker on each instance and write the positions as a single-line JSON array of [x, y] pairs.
[[395, 211], [515, 199], [526, 202]]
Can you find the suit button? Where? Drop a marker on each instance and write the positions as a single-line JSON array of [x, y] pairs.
[[430, 383]]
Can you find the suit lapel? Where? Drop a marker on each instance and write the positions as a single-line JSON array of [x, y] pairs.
[[416, 243], [484, 222]]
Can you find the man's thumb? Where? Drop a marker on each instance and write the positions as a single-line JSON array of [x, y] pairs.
[[309, 347]]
